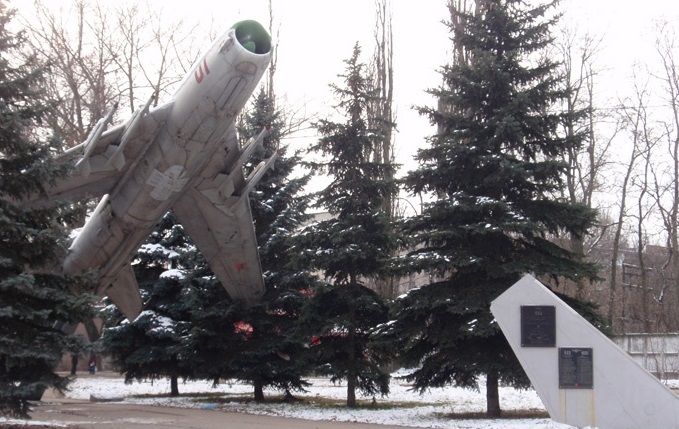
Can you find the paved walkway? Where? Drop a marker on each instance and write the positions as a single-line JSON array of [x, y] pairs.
[[97, 415]]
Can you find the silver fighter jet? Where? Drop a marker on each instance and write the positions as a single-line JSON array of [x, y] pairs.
[[182, 156]]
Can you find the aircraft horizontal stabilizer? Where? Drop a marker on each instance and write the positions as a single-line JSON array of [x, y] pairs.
[[124, 292]]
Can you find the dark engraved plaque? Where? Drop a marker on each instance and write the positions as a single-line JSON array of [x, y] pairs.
[[575, 368], [538, 326]]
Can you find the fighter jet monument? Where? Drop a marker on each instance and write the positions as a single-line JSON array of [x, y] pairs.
[[182, 156]]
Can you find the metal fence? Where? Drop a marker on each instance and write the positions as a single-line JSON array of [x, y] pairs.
[[658, 353]]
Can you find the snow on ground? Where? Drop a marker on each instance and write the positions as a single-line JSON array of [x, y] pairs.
[[402, 407], [24, 422]]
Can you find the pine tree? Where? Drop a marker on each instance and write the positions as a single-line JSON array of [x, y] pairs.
[[157, 343], [272, 355], [354, 245], [34, 302], [493, 170]]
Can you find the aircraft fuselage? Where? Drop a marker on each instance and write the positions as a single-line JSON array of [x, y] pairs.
[[204, 108]]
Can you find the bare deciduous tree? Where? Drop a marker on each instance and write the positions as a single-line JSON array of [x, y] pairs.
[[588, 155], [669, 208], [124, 50], [644, 206], [382, 117], [632, 117], [381, 110], [102, 55], [79, 84]]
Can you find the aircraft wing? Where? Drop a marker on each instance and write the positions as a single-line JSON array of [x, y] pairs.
[[220, 223], [103, 158], [227, 241]]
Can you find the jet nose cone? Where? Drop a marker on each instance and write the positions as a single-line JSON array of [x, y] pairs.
[[253, 37]]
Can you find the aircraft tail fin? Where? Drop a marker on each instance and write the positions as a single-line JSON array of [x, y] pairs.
[[582, 377]]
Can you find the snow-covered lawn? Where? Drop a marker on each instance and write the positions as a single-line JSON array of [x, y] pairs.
[[4, 421], [324, 399]]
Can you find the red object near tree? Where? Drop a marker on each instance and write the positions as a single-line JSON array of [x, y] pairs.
[[243, 328]]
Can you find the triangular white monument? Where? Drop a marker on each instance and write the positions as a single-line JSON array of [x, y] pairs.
[[581, 376]]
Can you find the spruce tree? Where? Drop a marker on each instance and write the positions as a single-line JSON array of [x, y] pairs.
[[34, 302], [219, 329], [272, 356], [354, 245], [340, 320], [157, 343], [190, 328], [494, 173]]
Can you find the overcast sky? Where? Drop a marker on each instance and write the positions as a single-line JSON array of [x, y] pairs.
[[316, 35]]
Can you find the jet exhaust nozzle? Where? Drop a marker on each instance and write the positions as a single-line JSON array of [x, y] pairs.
[[253, 37]]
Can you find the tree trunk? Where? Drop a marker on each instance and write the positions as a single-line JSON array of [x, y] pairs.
[[351, 390], [259, 391], [174, 387], [578, 247], [618, 230], [74, 363], [641, 216], [288, 396], [492, 395]]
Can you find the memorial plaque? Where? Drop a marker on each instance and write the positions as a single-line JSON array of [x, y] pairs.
[[538, 326], [575, 368]]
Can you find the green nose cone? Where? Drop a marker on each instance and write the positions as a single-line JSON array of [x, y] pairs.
[[250, 46], [253, 37]]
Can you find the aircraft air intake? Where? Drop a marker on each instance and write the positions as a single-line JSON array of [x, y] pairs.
[[253, 37]]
